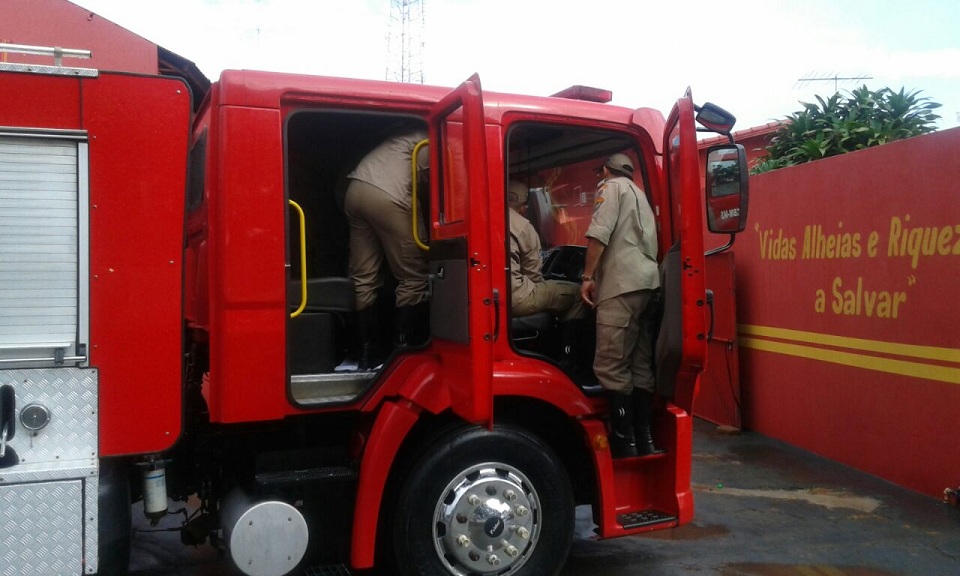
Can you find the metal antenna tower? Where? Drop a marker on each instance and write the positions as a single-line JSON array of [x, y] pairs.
[[828, 77], [405, 41]]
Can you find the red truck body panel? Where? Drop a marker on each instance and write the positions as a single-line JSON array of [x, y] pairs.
[[138, 132]]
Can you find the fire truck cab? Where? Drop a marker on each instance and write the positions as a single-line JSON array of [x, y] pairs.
[[179, 324]]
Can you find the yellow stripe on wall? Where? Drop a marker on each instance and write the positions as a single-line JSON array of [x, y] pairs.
[[889, 365], [912, 350]]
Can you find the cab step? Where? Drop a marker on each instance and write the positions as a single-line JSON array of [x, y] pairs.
[[328, 570], [325, 474], [644, 518]]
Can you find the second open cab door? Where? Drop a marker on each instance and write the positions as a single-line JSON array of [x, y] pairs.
[[685, 341], [462, 306]]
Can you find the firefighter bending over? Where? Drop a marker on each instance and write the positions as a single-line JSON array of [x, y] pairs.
[[379, 208]]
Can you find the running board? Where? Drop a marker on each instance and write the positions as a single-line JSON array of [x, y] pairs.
[[324, 475], [308, 390], [645, 518], [328, 570]]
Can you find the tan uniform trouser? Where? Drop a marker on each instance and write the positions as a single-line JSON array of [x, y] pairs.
[[624, 354], [379, 228], [561, 298]]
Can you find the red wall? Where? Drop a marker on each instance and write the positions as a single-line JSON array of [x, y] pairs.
[[847, 280], [61, 23]]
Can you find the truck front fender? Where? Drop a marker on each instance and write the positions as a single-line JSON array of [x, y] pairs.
[[394, 421]]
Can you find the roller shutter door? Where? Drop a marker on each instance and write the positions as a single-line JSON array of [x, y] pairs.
[[40, 247]]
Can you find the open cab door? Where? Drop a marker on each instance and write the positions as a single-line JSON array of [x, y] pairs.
[[682, 344], [462, 306]]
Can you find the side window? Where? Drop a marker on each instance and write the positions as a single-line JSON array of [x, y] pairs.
[[673, 174], [453, 183]]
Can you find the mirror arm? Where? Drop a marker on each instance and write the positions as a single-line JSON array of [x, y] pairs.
[[727, 134], [723, 248]]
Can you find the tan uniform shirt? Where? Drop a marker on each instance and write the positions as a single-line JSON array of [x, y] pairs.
[[623, 221], [525, 262], [388, 167]]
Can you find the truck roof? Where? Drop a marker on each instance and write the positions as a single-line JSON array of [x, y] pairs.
[[271, 89]]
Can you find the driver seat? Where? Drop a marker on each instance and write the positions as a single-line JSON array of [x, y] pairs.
[[532, 326], [318, 337], [540, 212]]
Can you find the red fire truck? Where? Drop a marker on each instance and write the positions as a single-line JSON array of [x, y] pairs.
[[177, 324]]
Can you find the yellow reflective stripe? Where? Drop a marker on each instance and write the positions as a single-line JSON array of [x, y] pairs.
[[895, 348], [901, 367]]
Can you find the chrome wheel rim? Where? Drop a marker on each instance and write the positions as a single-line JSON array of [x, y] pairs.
[[487, 521]]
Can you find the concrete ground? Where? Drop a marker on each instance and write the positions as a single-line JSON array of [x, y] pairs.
[[763, 508], [766, 508]]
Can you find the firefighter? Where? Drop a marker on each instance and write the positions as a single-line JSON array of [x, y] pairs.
[[379, 205], [530, 293], [620, 278]]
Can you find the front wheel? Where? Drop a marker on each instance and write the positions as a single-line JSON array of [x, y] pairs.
[[481, 502]]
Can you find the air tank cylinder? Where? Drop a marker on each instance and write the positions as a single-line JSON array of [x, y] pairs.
[[266, 538]]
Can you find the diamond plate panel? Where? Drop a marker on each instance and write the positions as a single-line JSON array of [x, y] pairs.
[[70, 440], [91, 521], [48, 529]]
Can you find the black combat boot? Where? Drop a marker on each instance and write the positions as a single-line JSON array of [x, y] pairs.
[[643, 408], [368, 356], [412, 326], [622, 441]]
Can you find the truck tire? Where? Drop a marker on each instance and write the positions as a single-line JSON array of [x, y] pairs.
[[482, 502]]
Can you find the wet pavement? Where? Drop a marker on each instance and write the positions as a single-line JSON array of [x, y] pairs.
[[766, 508], [763, 508]]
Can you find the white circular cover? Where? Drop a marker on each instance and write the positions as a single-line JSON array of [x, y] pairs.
[[269, 539]]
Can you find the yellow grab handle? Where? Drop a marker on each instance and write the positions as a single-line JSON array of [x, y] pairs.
[[413, 168], [303, 260]]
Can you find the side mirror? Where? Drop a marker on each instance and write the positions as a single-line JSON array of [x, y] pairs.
[[715, 118], [727, 188]]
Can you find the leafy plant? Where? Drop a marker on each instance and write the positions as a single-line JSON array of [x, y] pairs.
[[841, 124]]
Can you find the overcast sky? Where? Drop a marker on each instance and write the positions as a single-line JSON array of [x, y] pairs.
[[748, 56]]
